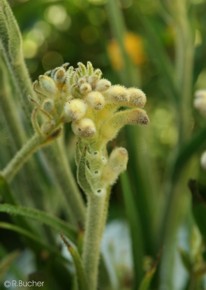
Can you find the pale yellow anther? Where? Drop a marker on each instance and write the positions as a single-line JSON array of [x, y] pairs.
[[75, 109], [95, 100], [102, 85], [84, 128]]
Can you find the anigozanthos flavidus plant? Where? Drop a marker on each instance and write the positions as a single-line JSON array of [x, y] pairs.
[[97, 110]]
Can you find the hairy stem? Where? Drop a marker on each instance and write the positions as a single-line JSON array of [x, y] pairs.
[[95, 223], [22, 156]]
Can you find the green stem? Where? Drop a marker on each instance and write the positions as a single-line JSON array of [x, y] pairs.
[[95, 224], [9, 107], [184, 67], [22, 156]]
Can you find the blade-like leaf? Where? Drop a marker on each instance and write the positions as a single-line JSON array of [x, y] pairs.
[[40, 216], [81, 277], [29, 235]]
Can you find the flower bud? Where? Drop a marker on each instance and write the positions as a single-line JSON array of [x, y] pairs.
[[48, 105], [47, 85], [85, 88], [93, 79], [102, 85], [95, 100], [82, 80], [116, 94], [136, 97], [59, 75], [121, 118], [84, 128], [75, 109], [117, 163]]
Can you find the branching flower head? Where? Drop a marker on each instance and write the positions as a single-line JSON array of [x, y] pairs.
[[97, 111]]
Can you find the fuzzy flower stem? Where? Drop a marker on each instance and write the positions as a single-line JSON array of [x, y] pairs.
[[22, 156], [95, 223]]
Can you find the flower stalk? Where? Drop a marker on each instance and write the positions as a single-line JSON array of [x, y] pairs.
[[22, 156], [97, 208]]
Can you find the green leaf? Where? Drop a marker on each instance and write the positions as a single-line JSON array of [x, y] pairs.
[[11, 40], [81, 277], [135, 227], [199, 213], [11, 50], [199, 205], [186, 260], [29, 235], [40, 216]]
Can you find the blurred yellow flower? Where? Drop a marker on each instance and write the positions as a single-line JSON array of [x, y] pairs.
[[134, 47]]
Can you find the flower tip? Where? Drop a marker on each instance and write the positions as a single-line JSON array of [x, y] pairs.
[[75, 109], [137, 97], [84, 128]]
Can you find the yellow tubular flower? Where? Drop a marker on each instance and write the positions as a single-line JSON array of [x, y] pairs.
[[94, 107]]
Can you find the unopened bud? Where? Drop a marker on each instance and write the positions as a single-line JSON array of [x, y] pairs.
[[117, 94], [48, 105], [47, 84], [93, 79], [75, 109], [84, 128], [118, 159], [95, 100], [82, 80], [60, 75], [125, 117], [117, 163], [85, 88], [136, 97], [102, 85]]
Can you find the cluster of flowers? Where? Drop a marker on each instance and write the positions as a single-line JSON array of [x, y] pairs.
[[97, 111]]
